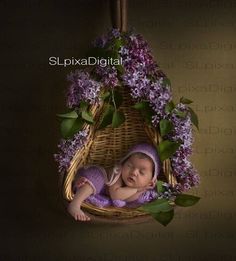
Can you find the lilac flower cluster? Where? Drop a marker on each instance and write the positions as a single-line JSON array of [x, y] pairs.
[[168, 193], [139, 65], [83, 88], [158, 96], [68, 148], [143, 76], [182, 167], [108, 75], [103, 40]]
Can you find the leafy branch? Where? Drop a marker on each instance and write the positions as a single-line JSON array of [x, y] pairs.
[[73, 121], [112, 115], [162, 209]]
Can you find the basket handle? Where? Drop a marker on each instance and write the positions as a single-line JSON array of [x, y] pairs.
[[119, 14]]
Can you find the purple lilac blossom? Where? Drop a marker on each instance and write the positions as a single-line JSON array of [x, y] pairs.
[[100, 42], [168, 193], [113, 33], [183, 169], [108, 74], [68, 149], [83, 88], [158, 96], [139, 65]]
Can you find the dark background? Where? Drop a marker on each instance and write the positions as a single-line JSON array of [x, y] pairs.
[[195, 44]]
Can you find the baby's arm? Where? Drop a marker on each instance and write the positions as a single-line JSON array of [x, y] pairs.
[[116, 191], [135, 196], [139, 192]]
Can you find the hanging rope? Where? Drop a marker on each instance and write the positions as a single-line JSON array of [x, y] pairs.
[[119, 14]]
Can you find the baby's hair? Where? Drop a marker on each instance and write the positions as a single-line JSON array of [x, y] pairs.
[[141, 155]]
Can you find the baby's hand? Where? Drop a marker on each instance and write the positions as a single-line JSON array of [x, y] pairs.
[[142, 189]]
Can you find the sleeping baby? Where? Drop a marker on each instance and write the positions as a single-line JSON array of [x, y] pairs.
[[136, 173]]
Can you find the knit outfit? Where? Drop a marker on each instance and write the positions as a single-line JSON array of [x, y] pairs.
[[99, 179]]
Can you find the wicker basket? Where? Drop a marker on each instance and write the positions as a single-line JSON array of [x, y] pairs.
[[107, 146]]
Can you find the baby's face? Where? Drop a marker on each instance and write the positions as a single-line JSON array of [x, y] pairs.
[[137, 172]]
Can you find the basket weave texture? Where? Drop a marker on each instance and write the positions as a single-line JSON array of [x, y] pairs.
[[107, 146]]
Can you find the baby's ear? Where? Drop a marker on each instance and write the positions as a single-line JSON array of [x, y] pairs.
[[152, 183]]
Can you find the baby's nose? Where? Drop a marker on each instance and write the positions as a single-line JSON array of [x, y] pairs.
[[135, 172]]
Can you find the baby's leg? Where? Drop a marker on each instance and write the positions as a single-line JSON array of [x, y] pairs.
[[74, 207], [88, 181]]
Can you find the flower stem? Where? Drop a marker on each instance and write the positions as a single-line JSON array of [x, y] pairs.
[[113, 99]]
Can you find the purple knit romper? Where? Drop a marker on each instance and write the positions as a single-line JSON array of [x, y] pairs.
[[94, 175]]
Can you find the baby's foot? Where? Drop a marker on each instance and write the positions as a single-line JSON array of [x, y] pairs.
[[80, 215], [77, 213]]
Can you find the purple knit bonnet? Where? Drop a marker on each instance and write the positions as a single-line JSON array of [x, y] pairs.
[[150, 151]]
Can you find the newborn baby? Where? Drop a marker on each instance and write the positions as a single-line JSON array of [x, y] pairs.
[[136, 173]]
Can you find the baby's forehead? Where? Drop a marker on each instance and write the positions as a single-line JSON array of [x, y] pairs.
[[137, 157]]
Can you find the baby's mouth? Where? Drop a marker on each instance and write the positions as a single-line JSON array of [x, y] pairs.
[[130, 179]]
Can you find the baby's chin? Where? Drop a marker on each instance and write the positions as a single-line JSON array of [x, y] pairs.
[[129, 184], [133, 185]]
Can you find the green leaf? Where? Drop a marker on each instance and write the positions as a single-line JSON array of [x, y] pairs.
[[115, 43], [185, 200], [87, 116], [107, 117], [166, 127], [156, 206], [194, 117], [164, 217], [185, 100], [117, 119], [83, 106], [181, 114], [69, 115], [113, 54], [160, 188], [70, 126], [169, 107], [118, 98], [78, 125], [146, 110], [105, 95], [120, 68], [141, 105], [166, 82], [167, 148], [118, 42]]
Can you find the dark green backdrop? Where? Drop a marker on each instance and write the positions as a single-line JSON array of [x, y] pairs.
[[195, 44]]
